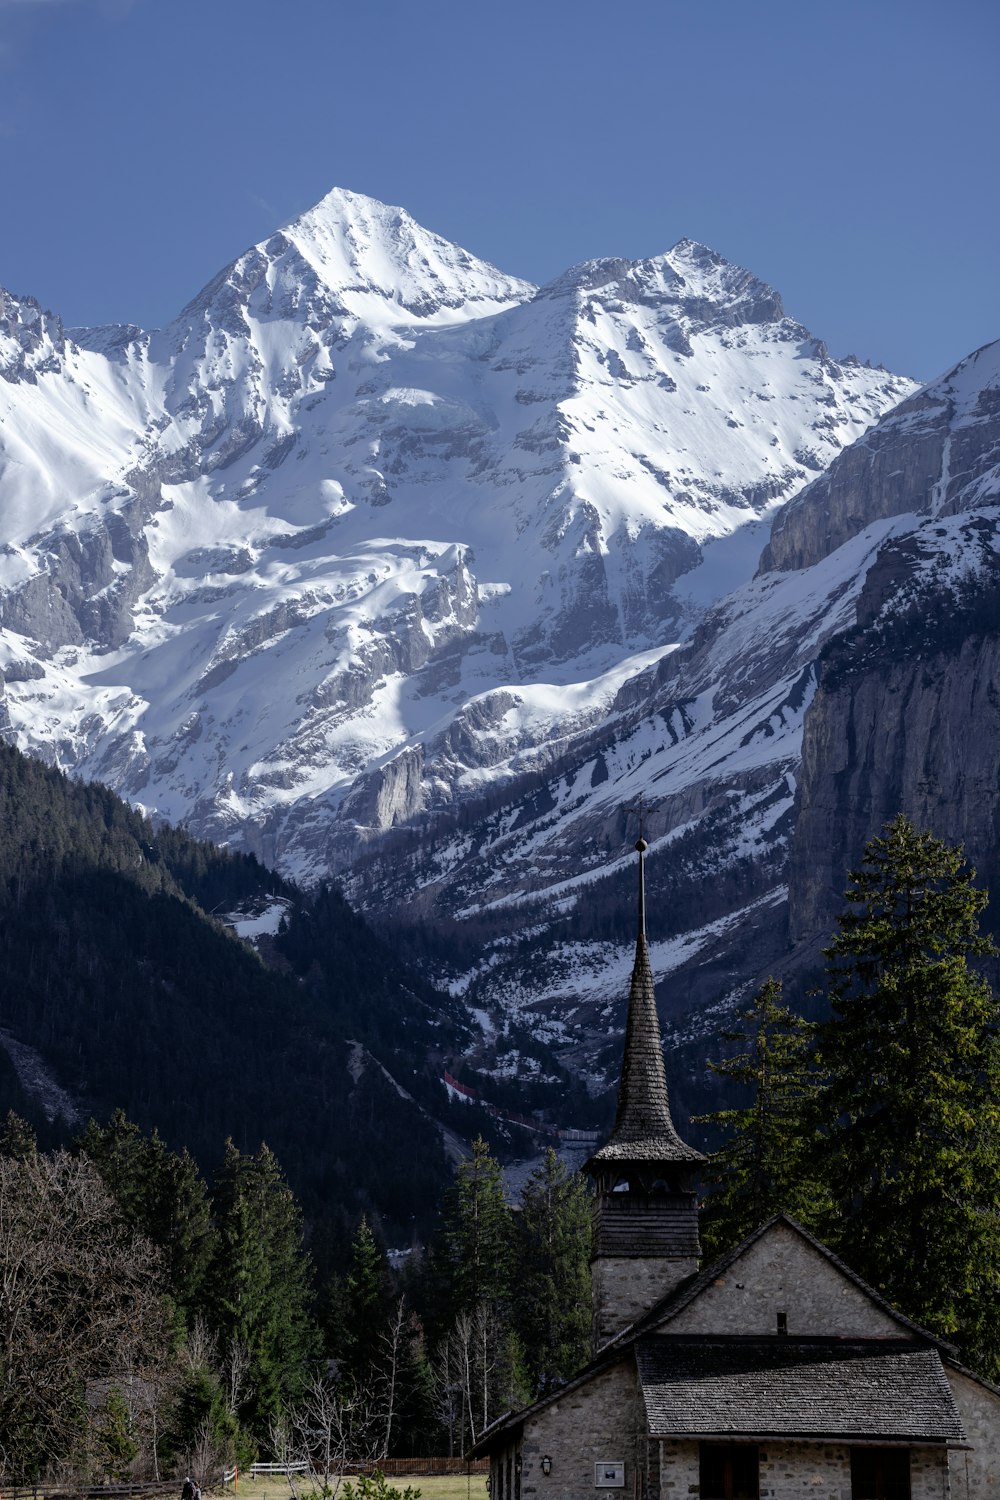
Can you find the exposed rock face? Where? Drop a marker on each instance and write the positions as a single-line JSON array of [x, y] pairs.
[[90, 583], [756, 779], [921, 460], [32, 342], [919, 737], [906, 717], [907, 714]]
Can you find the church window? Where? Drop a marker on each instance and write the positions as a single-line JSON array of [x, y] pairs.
[[880, 1474], [729, 1471]]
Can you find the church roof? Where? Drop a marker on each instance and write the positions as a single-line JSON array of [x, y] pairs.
[[643, 1130], [803, 1388], [691, 1288], [645, 1333]]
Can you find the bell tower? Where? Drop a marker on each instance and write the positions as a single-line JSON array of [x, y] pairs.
[[645, 1208]]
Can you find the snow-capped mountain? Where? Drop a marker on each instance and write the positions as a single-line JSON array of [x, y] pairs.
[[371, 527], [856, 675]]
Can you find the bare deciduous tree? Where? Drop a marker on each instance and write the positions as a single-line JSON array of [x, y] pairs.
[[340, 1426], [473, 1374], [80, 1301]]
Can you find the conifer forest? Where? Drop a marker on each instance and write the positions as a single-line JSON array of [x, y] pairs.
[[161, 1317]]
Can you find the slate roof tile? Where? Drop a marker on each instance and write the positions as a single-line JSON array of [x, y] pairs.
[[785, 1387]]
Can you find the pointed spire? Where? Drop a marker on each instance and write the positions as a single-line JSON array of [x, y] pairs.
[[643, 1129]]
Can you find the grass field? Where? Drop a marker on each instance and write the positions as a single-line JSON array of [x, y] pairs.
[[431, 1487]]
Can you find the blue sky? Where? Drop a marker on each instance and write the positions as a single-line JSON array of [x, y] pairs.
[[844, 151]]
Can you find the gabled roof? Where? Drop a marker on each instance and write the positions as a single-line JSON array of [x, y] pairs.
[[667, 1308], [691, 1288], [803, 1388]]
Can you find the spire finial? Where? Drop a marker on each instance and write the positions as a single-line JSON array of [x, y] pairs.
[[641, 847]]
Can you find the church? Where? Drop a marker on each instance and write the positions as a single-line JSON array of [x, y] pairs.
[[776, 1372]]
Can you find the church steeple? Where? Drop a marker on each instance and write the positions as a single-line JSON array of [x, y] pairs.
[[643, 1127], [645, 1208]]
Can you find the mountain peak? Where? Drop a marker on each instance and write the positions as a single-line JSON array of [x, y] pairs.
[[710, 276], [357, 244]]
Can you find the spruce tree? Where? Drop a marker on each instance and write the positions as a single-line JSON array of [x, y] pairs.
[[261, 1283], [162, 1194], [364, 1308], [117, 1445], [911, 1105], [479, 1367], [478, 1232], [552, 1296], [763, 1167], [17, 1140]]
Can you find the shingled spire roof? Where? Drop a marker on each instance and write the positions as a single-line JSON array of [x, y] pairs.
[[643, 1130]]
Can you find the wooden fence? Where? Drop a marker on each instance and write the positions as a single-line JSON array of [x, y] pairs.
[[397, 1468], [392, 1468], [86, 1492]]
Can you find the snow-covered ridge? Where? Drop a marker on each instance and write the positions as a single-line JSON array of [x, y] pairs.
[[882, 563], [371, 526]]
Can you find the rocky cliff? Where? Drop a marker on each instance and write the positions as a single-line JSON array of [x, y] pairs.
[[906, 716], [854, 676]]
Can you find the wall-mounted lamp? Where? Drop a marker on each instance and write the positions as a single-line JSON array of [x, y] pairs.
[[517, 1464], [546, 1465]]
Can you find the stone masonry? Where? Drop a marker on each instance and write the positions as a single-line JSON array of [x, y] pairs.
[[802, 1471]]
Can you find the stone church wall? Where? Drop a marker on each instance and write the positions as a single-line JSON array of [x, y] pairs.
[[624, 1290], [795, 1471], [783, 1273], [593, 1424], [976, 1475]]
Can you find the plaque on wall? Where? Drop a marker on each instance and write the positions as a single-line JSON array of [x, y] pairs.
[[610, 1475]]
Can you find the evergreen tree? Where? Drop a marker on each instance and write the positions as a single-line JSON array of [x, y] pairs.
[[552, 1296], [763, 1165], [117, 1445], [478, 1232], [911, 1154], [160, 1193], [202, 1422], [261, 1283], [364, 1309], [478, 1364], [17, 1140]]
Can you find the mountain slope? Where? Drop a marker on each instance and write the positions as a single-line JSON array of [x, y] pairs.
[[122, 990], [854, 676], [371, 526]]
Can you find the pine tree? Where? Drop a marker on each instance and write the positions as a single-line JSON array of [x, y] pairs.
[[763, 1166], [478, 1232], [911, 1105], [478, 1363], [261, 1283], [364, 1309], [17, 1140], [552, 1296], [117, 1445], [162, 1194]]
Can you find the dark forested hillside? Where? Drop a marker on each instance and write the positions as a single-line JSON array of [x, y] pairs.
[[133, 996]]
